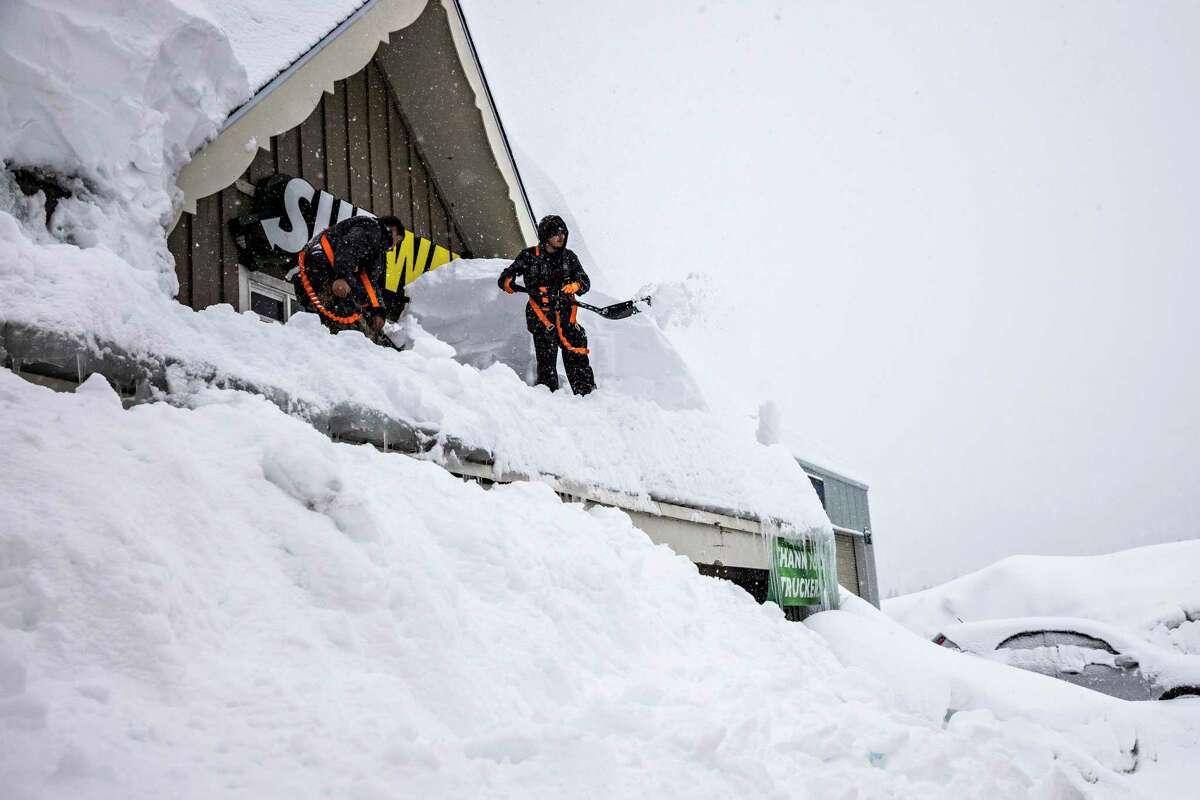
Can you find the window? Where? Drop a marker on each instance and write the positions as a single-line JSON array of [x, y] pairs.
[[819, 486], [272, 299], [268, 305], [1034, 639]]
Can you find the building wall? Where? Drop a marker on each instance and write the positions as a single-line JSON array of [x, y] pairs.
[[846, 504], [355, 144]]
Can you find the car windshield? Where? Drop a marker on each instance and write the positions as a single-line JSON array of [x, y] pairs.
[[1032, 639]]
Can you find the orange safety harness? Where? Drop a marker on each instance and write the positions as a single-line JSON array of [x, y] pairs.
[[541, 315], [312, 294], [583, 351]]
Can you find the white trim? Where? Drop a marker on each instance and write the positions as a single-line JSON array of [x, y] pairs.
[[290, 98]]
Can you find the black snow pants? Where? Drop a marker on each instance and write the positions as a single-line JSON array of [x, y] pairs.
[[546, 344]]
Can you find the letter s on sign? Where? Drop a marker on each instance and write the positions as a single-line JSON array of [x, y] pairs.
[[292, 241]]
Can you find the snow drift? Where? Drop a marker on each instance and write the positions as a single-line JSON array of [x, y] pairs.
[[217, 600]]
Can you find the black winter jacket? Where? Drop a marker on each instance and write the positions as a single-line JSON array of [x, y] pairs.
[[359, 244], [544, 275]]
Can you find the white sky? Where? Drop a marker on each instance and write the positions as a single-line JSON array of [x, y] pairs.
[[958, 244]]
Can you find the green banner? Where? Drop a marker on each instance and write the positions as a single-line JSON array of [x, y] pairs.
[[797, 575]]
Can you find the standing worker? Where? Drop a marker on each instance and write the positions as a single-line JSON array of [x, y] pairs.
[[553, 277], [341, 271]]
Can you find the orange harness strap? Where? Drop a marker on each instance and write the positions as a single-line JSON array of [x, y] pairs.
[[312, 294], [366, 282], [541, 315], [583, 351]]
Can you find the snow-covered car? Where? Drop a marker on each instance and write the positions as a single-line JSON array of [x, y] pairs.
[[1087, 653]]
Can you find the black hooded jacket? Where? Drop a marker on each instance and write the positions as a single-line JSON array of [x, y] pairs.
[[359, 245], [549, 271]]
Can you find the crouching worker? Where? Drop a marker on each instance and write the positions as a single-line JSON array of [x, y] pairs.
[[553, 276], [340, 275]]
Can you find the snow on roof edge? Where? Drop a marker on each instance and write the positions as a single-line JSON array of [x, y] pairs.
[[300, 60]]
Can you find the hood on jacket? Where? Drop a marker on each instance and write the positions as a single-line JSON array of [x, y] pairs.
[[551, 225]]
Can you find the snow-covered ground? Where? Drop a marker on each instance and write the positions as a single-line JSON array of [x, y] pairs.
[[1152, 592], [209, 598], [216, 600]]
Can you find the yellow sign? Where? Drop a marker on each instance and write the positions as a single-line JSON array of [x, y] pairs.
[[415, 256]]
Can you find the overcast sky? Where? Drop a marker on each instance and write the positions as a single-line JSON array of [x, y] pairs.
[[958, 244]]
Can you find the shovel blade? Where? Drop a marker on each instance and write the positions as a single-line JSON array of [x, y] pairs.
[[619, 310]]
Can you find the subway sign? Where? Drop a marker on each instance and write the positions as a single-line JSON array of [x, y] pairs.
[[288, 212]]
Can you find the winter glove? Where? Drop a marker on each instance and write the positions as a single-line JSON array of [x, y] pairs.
[[571, 288]]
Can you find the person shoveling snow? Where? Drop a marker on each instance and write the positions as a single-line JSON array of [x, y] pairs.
[[554, 280], [339, 275]]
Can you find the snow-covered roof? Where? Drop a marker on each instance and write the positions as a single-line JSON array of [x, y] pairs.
[[268, 36]]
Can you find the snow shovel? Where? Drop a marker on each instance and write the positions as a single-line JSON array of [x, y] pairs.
[[626, 308]]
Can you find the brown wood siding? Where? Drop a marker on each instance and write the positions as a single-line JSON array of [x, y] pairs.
[[337, 160], [847, 565], [312, 146], [286, 147], [233, 204], [206, 252], [355, 145], [377, 135], [357, 120]]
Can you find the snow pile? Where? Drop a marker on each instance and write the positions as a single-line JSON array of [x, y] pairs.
[[113, 97], [218, 601], [1153, 742], [1152, 591], [460, 304]]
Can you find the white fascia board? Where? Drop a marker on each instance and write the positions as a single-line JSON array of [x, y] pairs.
[[288, 100], [491, 120]]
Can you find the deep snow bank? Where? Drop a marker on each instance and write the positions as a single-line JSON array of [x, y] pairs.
[[1151, 591], [217, 601], [1151, 744], [113, 96]]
